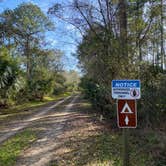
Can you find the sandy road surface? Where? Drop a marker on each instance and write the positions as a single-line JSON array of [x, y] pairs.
[[52, 124], [13, 127]]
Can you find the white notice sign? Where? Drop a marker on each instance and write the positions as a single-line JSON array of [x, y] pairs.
[[126, 89]]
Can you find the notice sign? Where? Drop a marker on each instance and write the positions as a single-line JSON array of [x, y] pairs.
[[126, 89], [126, 114]]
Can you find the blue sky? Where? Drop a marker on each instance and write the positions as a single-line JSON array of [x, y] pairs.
[[62, 38]]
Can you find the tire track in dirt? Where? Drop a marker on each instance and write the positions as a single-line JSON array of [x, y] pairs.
[[16, 126], [41, 151]]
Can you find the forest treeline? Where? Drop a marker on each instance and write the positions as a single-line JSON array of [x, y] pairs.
[[121, 40], [29, 68]]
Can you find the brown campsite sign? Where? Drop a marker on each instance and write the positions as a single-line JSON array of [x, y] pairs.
[[127, 114]]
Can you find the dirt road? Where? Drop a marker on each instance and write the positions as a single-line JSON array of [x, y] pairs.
[[58, 125], [13, 127], [52, 122]]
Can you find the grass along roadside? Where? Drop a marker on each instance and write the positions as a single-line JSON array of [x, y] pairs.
[[22, 109], [11, 149]]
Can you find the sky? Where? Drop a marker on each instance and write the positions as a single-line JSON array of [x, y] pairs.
[[63, 37]]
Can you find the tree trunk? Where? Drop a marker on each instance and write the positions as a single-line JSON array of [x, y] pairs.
[[138, 44], [123, 39], [28, 59], [123, 27], [162, 36]]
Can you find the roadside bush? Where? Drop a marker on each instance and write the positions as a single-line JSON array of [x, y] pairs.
[[59, 84], [9, 77], [40, 84], [152, 104], [99, 95]]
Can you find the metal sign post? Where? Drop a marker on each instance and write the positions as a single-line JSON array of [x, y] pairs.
[[126, 147], [126, 92]]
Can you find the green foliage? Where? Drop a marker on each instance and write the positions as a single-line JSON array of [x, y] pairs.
[[38, 72], [99, 95], [40, 84], [10, 150], [8, 69], [72, 80], [26, 19], [59, 84], [153, 98], [9, 76]]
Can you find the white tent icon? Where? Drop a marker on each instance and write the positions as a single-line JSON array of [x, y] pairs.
[[126, 109]]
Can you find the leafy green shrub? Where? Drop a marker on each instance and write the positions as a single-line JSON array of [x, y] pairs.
[[59, 84], [40, 84], [152, 105], [9, 77], [99, 95]]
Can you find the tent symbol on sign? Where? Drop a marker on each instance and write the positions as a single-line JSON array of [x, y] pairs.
[[126, 110]]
